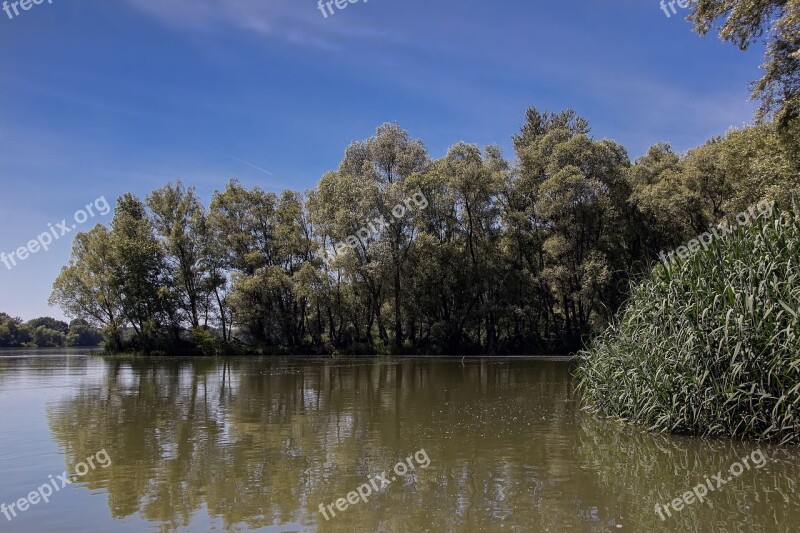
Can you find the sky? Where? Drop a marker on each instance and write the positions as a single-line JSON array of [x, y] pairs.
[[103, 97]]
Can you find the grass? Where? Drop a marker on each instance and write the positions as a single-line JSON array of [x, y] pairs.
[[708, 345]]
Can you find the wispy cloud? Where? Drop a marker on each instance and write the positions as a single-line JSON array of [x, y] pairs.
[[289, 21]]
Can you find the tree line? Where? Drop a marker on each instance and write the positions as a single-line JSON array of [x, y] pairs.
[[528, 255], [46, 332], [531, 255]]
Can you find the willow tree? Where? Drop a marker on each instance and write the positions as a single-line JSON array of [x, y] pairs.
[[744, 22], [246, 219], [293, 274], [87, 287], [148, 295], [179, 219], [580, 194], [666, 211], [460, 231], [360, 196], [680, 196], [354, 273], [760, 167]]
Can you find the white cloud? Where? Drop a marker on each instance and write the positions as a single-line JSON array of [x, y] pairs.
[[298, 23]]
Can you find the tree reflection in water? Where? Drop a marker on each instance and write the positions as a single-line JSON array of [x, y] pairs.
[[259, 442]]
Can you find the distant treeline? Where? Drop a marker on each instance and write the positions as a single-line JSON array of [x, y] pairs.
[[526, 256], [46, 332]]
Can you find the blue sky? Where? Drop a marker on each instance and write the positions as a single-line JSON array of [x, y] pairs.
[[102, 97]]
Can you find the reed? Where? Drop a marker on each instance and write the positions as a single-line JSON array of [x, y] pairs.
[[709, 345]]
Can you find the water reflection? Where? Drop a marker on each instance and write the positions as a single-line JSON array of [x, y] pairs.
[[647, 469], [256, 443], [25, 368]]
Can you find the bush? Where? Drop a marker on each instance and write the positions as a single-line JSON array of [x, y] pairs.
[[13, 332], [205, 342], [83, 334], [709, 345], [44, 337]]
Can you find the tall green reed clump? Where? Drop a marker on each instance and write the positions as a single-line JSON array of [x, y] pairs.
[[708, 345]]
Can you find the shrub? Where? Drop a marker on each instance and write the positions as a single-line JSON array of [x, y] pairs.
[[44, 337], [708, 345], [205, 342]]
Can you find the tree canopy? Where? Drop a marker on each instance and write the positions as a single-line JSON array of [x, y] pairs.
[[46, 332], [777, 22], [398, 252]]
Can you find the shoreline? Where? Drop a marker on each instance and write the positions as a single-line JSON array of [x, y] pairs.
[[9, 353]]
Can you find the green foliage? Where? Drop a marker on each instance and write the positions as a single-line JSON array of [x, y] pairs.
[[46, 338], [709, 345], [206, 342], [139, 269], [500, 258], [679, 196], [87, 287], [179, 219], [777, 22], [45, 332], [48, 323], [80, 333], [578, 193], [13, 332]]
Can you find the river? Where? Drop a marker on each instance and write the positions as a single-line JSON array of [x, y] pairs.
[[295, 444]]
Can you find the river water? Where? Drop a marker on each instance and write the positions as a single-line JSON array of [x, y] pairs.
[[258, 444]]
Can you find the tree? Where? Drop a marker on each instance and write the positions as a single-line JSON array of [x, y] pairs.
[[760, 166], [216, 280], [743, 22], [179, 219], [580, 199], [356, 266], [13, 333], [245, 220], [44, 337], [88, 287], [682, 196], [393, 252], [386, 160], [49, 323], [148, 301], [81, 333], [465, 221]]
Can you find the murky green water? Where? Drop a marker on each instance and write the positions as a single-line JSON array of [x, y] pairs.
[[202, 445]]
